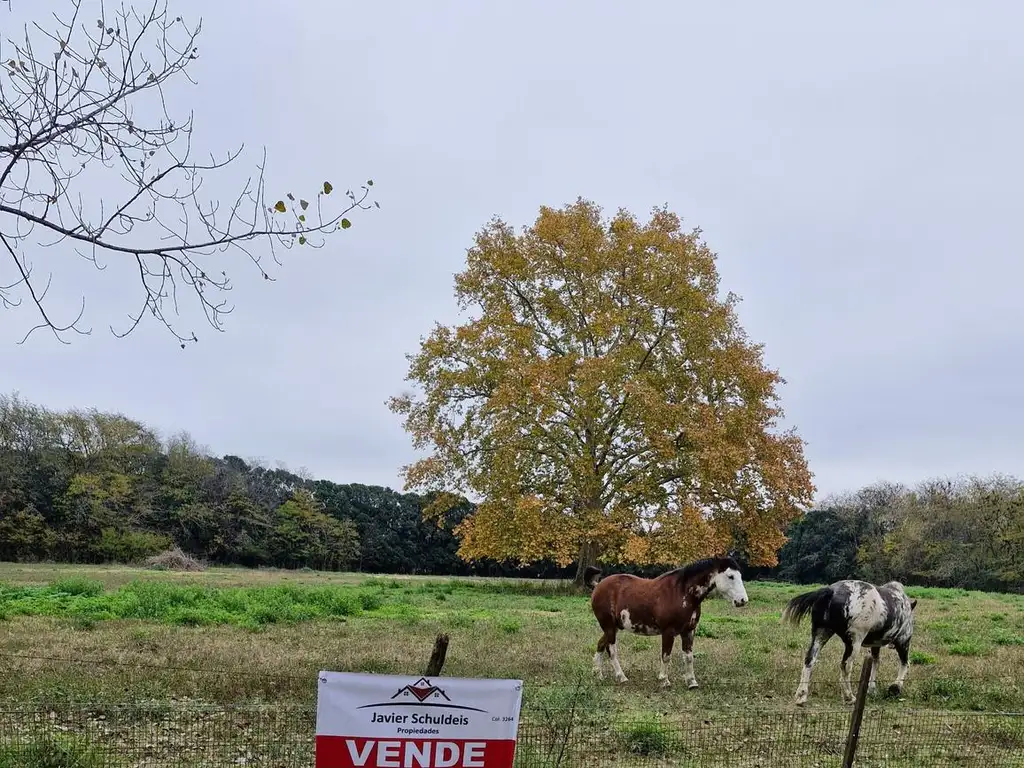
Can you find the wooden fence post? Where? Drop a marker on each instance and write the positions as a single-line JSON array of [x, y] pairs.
[[437, 657], [858, 712]]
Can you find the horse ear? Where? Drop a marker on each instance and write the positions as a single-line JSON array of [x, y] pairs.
[[913, 604]]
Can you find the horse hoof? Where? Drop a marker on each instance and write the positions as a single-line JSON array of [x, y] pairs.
[[871, 689], [800, 702], [622, 679], [665, 682], [692, 684], [895, 690]]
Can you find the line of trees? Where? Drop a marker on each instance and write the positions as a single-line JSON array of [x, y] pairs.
[[966, 532], [86, 486]]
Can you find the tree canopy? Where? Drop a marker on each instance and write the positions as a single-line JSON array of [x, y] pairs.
[[602, 399]]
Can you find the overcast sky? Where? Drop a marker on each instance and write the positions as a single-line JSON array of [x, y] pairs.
[[857, 170]]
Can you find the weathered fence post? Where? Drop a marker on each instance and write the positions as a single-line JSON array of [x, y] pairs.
[[858, 712], [437, 657]]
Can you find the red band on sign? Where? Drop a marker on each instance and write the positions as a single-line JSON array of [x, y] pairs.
[[361, 752]]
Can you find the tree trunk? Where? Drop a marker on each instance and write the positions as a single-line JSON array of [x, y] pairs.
[[587, 557]]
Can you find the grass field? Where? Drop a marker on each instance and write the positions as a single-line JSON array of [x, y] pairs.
[[238, 637]]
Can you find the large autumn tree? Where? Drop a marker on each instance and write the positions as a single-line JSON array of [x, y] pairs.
[[602, 400]]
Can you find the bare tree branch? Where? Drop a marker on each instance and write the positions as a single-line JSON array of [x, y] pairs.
[[83, 103]]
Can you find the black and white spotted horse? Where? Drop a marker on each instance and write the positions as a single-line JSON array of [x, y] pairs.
[[862, 615]]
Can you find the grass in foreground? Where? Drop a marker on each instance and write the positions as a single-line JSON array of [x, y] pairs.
[[230, 636], [207, 636]]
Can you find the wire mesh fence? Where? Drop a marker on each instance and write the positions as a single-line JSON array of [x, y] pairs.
[[173, 735]]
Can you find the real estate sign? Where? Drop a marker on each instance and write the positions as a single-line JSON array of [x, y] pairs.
[[393, 721]]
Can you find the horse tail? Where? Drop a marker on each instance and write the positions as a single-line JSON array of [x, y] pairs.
[[803, 604], [591, 577]]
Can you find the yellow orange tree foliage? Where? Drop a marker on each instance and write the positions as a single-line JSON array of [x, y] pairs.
[[601, 401]]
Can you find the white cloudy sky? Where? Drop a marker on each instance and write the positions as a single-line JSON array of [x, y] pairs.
[[857, 170]]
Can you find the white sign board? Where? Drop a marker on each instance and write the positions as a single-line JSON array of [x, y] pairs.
[[395, 721]]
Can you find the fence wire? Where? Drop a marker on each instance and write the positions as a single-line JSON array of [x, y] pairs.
[[169, 735]]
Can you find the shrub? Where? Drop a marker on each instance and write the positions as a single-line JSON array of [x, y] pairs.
[[371, 601]]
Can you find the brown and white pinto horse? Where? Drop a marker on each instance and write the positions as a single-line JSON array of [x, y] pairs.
[[668, 605]]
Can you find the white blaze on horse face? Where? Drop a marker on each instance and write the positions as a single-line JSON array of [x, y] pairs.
[[729, 584]]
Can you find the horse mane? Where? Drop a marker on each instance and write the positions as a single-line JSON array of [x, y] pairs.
[[687, 573]]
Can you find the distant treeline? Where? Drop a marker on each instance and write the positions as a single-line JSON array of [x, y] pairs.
[[91, 487], [965, 533]]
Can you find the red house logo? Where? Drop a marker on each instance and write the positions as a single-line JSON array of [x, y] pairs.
[[422, 693], [422, 689]]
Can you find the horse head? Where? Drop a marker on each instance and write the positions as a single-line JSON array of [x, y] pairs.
[[728, 581]]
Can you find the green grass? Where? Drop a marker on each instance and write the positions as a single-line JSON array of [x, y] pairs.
[[231, 636], [51, 752], [296, 621], [648, 735], [968, 648], [85, 602]]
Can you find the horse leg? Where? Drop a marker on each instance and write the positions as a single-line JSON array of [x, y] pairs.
[[613, 652], [667, 639], [853, 645], [686, 641], [903, 651], [818, 639], [602, 648], [875, 658]]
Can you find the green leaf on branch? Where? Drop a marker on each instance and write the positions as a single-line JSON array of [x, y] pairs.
[[345, 224], [280, 206]]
